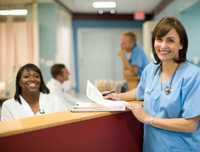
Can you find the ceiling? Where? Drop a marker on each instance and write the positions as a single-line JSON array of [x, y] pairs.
[[4, 3], [123, 6]]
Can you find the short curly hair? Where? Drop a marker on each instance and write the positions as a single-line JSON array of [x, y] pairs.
[[57, 69]]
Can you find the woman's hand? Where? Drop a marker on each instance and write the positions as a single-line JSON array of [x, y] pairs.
[[112, 96], [140, 114]]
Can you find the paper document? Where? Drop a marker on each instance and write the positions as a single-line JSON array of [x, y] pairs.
[[98, 102]]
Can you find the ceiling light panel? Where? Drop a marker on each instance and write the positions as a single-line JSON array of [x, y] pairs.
[[107, 4]]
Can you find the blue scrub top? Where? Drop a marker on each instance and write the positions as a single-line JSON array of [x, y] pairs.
[[182, 102], [138, 58]]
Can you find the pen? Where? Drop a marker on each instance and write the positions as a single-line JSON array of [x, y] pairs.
[[107, 93]]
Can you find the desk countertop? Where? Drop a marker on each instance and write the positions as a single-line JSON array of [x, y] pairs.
[[13, 127]]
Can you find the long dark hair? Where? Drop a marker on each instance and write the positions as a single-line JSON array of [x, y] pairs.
[[162, 28], [28, 67]]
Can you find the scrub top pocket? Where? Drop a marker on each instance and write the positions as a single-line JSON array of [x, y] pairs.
[[152, 100]]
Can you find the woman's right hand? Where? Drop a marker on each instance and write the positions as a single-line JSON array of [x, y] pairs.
[[113, 96]]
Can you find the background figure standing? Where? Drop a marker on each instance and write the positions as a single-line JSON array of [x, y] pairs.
[[60, 74], [132, 57]]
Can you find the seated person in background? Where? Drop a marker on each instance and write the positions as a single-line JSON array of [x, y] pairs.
[[31, 96], [60, 74], [132, 56]]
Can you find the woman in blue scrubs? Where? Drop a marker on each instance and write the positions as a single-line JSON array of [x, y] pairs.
[[170, 88]]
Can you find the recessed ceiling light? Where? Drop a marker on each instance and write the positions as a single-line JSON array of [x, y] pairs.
[[100, 11], [14, 12], [109, 4], [112, 11]]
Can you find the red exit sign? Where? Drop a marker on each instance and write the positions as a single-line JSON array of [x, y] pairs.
[[139, 16]]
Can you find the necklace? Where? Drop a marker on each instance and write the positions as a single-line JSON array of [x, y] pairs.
[[168, 89]]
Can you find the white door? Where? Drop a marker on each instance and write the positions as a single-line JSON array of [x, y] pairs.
[[97, 51]]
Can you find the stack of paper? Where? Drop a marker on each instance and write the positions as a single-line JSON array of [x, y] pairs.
[[98, 102]]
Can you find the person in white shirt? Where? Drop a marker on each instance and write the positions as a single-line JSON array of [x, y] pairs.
[[57, 85], [31, 96], [59, 74]]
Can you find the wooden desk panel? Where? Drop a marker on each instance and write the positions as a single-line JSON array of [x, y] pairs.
[[13, 127], [119, 132]]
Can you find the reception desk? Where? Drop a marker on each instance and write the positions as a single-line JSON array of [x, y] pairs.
[[73, 132]]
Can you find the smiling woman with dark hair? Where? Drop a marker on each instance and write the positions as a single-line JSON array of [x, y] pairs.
[[31, 96], [170, 88]]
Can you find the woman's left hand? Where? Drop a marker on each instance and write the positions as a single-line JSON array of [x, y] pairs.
[[141, 115]]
